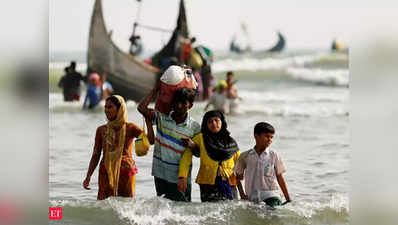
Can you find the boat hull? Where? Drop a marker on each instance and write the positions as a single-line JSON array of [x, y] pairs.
[[129, 76]]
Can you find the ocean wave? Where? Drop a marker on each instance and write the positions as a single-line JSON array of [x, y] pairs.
[[320, 69], [272, 97], [289, 111], [268, 63], [337, 77], [266, 103], [159, 211], [252, 63], [292, 107], [333, 58]]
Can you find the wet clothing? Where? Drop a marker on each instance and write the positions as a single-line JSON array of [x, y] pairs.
[[71, 96], [214, 178], [260, 173], [218, 153], [220, 190], [128, 169], [93, 96], [208, 167], [170, 190], [273, 201], [234, 190], [70, 83], [233, 105], [169, 149], [126, 186]]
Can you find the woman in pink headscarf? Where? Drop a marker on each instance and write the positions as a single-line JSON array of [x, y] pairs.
[[94, 92]]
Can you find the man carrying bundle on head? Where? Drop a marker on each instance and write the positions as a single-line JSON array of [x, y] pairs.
[[173, 124]]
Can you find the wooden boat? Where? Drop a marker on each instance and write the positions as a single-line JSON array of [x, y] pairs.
[[235, 47], [130, 76], [280, 45], [338, 46]]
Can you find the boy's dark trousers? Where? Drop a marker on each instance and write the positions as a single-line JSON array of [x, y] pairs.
[[170, 190]]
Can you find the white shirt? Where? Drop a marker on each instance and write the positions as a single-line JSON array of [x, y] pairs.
[[260, 173]]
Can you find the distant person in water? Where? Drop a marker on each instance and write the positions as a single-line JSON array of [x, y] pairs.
[[219, 99], [262, 169], [70, 83], [115, 141], [218, 153], [94, 92], [207, 80], [107, 89], [232, 92]]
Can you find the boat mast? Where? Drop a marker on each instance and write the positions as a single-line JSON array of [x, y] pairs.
[[137, 18], [135, 44]]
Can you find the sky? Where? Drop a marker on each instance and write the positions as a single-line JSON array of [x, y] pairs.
[[306, 24]]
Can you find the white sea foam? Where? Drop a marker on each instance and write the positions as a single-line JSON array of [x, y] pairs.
[[337, 203], [267, 63], [160, 211], [293, 66], [292, 111], [337, 77], [285, 104], [284, 97]]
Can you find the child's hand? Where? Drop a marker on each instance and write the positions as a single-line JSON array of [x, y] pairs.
[[182, 184], [188, 143]]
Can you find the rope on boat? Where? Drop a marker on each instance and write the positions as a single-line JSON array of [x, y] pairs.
[[155, 28]]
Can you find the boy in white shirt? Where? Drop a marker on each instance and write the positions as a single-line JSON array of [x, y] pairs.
[[262, 169]]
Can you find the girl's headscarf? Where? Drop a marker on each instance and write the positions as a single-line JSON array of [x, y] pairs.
[[219, 146], [113, 153]]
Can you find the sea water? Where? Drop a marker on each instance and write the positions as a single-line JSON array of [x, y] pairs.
[[305, 96]]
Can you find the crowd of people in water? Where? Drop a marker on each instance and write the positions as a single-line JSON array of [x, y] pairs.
[[177, 139], [222, 96], [98, 88]]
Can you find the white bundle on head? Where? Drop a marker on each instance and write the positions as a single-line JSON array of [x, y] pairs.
[[173, 75]]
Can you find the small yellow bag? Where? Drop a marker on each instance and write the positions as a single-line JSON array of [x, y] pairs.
[[195, 61], [142, 143]]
